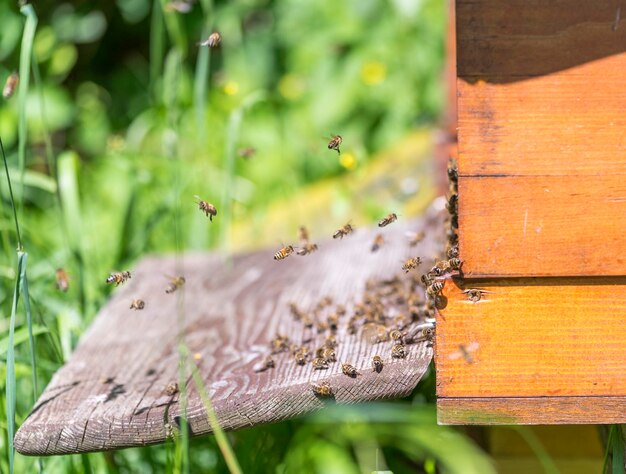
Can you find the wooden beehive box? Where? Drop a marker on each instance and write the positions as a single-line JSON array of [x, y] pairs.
[[541, 104]]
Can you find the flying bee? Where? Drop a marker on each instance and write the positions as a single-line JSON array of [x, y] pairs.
[[171, 389], [334, 143], [174, 284], [329, 355], [377, 363], [213, 41], [284, 252], [345, 230], [435, 288], [209, 209], [303, 234], [415, 238], [411, 264], [118, 278], [247, 152], [137, 304], [474, 295], [398, 351], [388, 220], [306, 249], [349, 370], [379, 241], [452, 203], [453, 251], [268, 363], [62, 280], [10, 85], [323, 389], [319, 363], [455, 263], [465, 352]]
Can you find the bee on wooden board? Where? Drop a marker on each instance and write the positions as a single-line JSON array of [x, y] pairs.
[[377, 363], [435, 288], [118, 278], [453, 172], [171, 388], [331, 341], [454, 263], [411, 264], [415, 238], [379, 241], [213, 41], [322, 389], [397, 335], [137, 304], [301, 356], [283, 253], [268, 363], [279, 344], [174, 284], [306, 249], [388, 220], [340, 309], [335, 142], [342, 232], [319, 363], [349, 370], [296, 312], [451, 205], [10, 85], [62, 280], [398, 351], [329, 354], [209, 209]]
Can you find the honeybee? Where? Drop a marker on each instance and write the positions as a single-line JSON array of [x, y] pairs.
[[377, 363], [283, 252], [295, 311], [329, 355], [465, 352], [247, 152], [415, 238], [62, 280], [379, 241], [333, 322], [435, 288], [455, 263], [345, 230], [439, 268], [334, 143], [349, 370], [301, 355], [411, 264], [474, 295], [137, 304], [319, 363], [213, 41], [209, 209], [427, 279], [388, 220], [10, 85], [268, 363], [279, 344], [306, 249], [321, 326], [331, 341], [451, 205], [303, 234], [453, 251], [351, 326], [340, 310], [398, 351], [323, 389], [454, 221], [453, 172], [307, 321], [118, 278], [171, 388], [175, 284], [397, 335]]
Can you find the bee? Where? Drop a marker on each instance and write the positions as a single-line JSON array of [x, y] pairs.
[[351, 326], [268, 363], [453, 251], [415, 238], [439, 268], [323, 389], [345, 230], [118, 278], [388, 220], [427, 279], [137, 304], [303, 234], [213, 41], [454, 221], [306, 249], [325, 301], [319, 363], [209, 209], [333, 322], [10, 85], [279, 344], [175, 284], [397, 335], [398, 351], [295, 311], [379, 241], [411, 264], [247, 152], [455, 263], [451, 205], [302, 356], [334, 143], [329, 355], [321, 326], [171, 389], [340, 310], [62, 280], [307, 321], [331, 341], [377, 363], [435, 288], [349, 370], [474, 295], [283, 252], [453, 172]]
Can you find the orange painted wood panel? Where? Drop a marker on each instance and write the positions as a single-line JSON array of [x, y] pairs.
[[542, 225], [558, 337], [531, 410]]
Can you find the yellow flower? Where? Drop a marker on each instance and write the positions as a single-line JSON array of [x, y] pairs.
[[347, 160], [373, 72], [291, 86], [231, 88]]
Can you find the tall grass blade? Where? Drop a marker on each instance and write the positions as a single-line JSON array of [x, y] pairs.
[[175, 29], [31, 339], [618, 450], [220, 436], [156, 46], [13, 206], [201, 80]]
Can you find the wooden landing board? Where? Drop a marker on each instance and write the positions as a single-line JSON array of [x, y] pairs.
[[111, 392], [533, 351]]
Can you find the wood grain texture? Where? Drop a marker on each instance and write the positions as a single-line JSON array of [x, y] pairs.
[[542, 226], [530, 337], [230, 314], [531, 410]]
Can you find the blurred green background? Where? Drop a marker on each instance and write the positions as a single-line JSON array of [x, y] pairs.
[[126, 119]]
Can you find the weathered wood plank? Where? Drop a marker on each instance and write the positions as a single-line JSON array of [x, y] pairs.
[[542, 226], [531, 410], [533, 337], [111, 392]]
